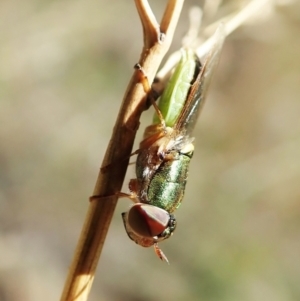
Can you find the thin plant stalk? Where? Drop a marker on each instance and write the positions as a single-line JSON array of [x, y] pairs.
[[157, 39]]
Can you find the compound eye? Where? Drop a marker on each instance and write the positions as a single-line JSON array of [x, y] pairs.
[[147, 220]]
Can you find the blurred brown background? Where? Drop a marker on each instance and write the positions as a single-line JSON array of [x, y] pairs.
[[64, 66]]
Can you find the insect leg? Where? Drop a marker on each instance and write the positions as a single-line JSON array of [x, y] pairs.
[[151, 94], [120, 194], [105, 168]]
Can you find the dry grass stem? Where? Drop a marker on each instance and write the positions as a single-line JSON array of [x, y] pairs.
[[203, 44], [109, 182]]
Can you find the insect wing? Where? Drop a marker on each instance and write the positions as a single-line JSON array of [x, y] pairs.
[[189, 115]]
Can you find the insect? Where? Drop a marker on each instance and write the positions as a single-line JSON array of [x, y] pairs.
[[166, 150]]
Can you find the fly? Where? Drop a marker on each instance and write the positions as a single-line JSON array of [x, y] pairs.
[[166, 150]]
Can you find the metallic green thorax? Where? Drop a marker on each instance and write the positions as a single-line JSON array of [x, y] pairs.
[[167, 186], [174, 96]]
